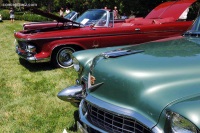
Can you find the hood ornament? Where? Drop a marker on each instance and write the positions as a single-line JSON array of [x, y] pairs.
[[112, 54], [91, 83], [120, 52]]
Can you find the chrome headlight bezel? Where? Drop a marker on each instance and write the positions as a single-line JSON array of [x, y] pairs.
[[31, 48], [77, 65], [179, 124]]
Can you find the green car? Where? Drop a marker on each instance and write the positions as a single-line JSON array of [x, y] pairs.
[[153, 87]]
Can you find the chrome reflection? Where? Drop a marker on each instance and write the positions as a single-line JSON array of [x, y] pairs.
[[72, 94]]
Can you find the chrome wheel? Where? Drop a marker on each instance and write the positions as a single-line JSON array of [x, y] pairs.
[[63, 57]]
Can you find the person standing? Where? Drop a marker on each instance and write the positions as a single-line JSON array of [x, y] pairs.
[[1, 18], [12, 15], [115, 13], [124, 16], [61, 12], [67, 10]]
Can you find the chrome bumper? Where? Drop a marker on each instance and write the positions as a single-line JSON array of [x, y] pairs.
[[31, 59], [80, 128]]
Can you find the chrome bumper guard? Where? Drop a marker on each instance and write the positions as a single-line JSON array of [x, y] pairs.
[[72, 94]]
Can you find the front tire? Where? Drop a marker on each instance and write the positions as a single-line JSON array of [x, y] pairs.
[[62, 57]]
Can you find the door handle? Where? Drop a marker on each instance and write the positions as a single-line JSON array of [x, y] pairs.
[[95, 46], [137, 29]]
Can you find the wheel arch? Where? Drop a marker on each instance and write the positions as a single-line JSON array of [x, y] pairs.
[[63, 60], [74, 47]]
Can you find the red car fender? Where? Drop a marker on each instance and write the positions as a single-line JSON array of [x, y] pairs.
[[58, 43]]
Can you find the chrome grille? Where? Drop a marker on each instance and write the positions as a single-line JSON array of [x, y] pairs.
[[22, 45], [115, 123]]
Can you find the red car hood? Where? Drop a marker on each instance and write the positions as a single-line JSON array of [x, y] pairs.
[[170, 9], [49, 15]]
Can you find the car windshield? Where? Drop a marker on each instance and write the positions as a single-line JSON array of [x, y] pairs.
[[70, 15], [194, 29], [91, 17], [196, 25]]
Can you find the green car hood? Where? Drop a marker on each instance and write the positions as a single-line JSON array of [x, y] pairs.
[[85, 56], [147, 82]]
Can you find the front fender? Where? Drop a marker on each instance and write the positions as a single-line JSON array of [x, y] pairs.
[[57, 43], [189, 108]]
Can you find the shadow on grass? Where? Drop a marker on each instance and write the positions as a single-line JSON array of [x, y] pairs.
[[76, 118], [34, 67]]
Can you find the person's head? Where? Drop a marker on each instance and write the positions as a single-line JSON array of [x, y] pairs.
[[115, 8], [105, 7]]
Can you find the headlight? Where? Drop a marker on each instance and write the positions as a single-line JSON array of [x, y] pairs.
[[179, 124], [31, 49], [77, 65]]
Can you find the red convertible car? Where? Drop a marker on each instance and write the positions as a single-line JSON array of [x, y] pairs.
[[96, 28]]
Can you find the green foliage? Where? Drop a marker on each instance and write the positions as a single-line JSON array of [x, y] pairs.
[[34, 17], [28, 96], [5, 14], [23, 16]]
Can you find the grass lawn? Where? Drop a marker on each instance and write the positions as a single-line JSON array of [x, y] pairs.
[[28, 92]]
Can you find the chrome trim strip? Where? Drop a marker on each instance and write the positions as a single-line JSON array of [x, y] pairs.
[[118, 53], [35, 60], [157, 130], [119, 110], [43, 60], [102, 35]]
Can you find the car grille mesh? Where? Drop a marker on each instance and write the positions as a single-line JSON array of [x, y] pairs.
[[111, 122], [22, 45]]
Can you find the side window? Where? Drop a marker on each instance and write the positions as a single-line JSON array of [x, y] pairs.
[[102, 21], [193, 11], [111, 20]]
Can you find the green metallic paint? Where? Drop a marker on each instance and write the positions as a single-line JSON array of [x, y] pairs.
[[147, 82], [189, 108], [87, 55]]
